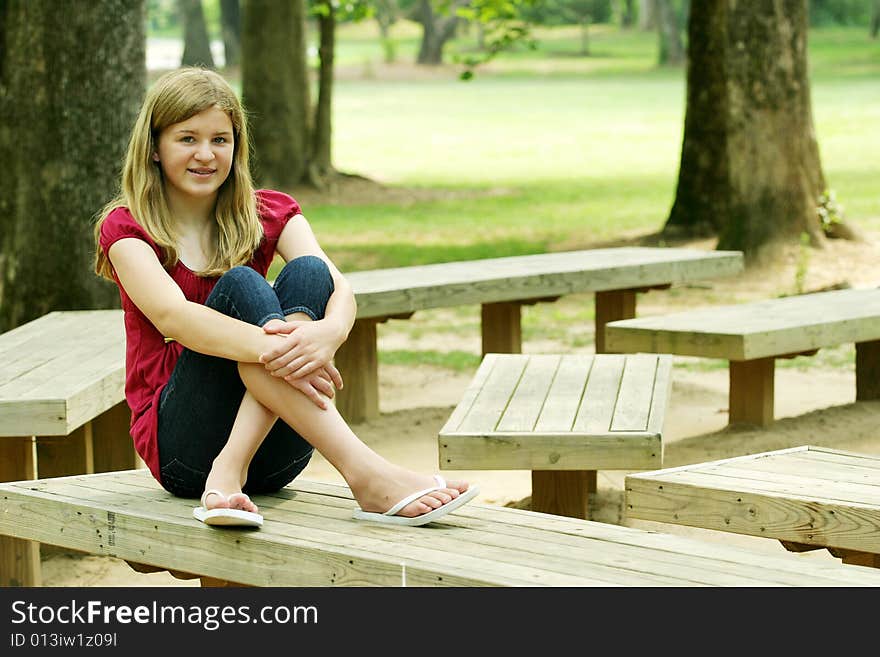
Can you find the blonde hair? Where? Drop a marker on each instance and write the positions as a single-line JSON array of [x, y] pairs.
[[177, 96]]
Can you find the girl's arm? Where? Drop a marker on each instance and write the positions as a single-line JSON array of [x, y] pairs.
[[193, 325], [311, 345]]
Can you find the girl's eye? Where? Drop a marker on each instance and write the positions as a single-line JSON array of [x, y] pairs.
[[188, 139], [220, 140]]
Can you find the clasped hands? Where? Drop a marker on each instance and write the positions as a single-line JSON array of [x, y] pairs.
[[304, 358]]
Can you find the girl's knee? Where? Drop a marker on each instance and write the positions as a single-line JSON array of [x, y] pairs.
[[308, 266], [305, 284]]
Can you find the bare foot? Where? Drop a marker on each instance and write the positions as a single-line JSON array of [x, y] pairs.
[[379, 492], [229, 484]]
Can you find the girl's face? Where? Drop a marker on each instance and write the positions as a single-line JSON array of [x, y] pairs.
[[196, 155]]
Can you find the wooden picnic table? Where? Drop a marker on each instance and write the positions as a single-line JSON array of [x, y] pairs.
[[309, 538], [563, 417], [805, 497], [751, 336], [502, 286], [62, 410]]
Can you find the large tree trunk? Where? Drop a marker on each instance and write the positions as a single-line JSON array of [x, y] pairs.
[[196, 43], [750, 169], [437, 29], [647, 15], [669, 32], [275, 90], [230, 20], [68, 97], [321, 158]]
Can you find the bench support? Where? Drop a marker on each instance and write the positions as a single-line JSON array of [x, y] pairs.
[[563, 492], [751, 391], [611, 306], [19, 559], [358, 362], [867, 370], [501, 325]]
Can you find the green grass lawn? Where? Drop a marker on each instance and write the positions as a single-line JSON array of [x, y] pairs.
[[545, 150]]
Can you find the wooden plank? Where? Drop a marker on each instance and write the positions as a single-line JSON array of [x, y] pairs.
[[324, 546], [564, 451], [600, 395], [494, 396], [385, 292], [566, 392], [528, 399], [470, 395], [760, 329], [662, 391], [636, 392]]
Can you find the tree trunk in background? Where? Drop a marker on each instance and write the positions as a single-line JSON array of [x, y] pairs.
[[647, 15], [196, 44], [230, 20], [321, 157], [750, 169], [875, 19], [436, 31], [669, 32], [69, 94], [627, 14], [275, 91]]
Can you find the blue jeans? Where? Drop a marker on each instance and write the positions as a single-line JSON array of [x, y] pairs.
[[198, 405]]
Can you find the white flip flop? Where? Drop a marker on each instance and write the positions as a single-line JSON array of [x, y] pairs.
[[225, 517], [390, 517]]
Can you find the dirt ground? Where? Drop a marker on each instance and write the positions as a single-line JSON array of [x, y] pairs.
[[815, 405]]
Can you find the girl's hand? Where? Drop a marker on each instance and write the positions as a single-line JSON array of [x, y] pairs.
[[318, 386], [308, 347]]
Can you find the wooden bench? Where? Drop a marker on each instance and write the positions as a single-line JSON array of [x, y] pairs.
[[502, 286], [805, 497], [62, 409], [310, 539], [563, 418], [752, 335]]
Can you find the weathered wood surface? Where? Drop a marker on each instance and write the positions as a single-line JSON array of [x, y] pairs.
[[752, 335], [759, 329], [501, 285], [62, 410], [803, 496], [310, 539], [560, 412], [60, 371], [391, 291], [563, 418]]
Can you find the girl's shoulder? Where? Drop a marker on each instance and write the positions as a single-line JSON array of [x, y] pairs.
[[274, 206], [120, 223]]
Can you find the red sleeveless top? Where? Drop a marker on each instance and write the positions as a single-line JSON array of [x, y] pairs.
[[149, 360]]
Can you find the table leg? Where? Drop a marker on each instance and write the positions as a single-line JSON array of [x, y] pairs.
[[61, 456], [609, 307], [112, 443], [501, 326], [868, 370], [856, 558], [563, 492], [358, 363], [19, 559], [751, 391]]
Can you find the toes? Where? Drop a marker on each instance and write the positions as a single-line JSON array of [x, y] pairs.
[[220, 502], [242, 502]]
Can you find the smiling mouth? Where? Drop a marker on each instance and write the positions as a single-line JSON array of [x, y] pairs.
[[202, 172]]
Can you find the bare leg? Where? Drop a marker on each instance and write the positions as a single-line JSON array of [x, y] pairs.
[[229, 470], [376, 483]]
